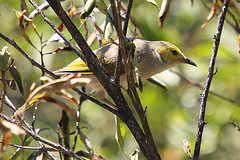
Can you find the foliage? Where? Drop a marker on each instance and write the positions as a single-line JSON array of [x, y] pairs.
[[172, 115]]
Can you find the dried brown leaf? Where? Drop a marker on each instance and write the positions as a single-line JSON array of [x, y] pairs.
[[24, 6], [24, 19], [62, 49], [6, 138], [13, 128], [63, 106], [6, 131], [212, 13], [186, 147], [51, 87]]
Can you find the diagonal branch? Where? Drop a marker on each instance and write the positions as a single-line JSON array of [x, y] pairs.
[[210, 75], [41, 139], [100, 72]]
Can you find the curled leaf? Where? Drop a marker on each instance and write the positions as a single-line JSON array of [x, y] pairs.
[[120, 134], [17, 77], [88, 8], [6, 131], [212, 13], [163, 11], [24, 19], [24, 6], [153, 2], [51, 87], [186, 147]]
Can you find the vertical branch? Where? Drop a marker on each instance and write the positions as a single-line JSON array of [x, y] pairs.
[[127, 17], [204, 96]]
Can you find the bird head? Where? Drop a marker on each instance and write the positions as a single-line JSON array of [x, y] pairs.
[[170, 54]]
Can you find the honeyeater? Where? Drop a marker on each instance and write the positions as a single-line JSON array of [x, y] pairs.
[[153, 57]]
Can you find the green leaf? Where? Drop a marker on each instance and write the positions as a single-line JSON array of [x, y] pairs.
[[26, 141], [158, 83], [100, 4], [88, 8], [120, 134], [17, 77], [137, 71], [4, 58], [108, 28]]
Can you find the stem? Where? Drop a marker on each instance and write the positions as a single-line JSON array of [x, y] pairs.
[[210, 75]]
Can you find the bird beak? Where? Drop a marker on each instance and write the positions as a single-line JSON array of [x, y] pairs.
[[188, 61]]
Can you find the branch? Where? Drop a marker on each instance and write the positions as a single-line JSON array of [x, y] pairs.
[[202, 88], [41, 139], [204, 96], [33, 62], [110, 86]]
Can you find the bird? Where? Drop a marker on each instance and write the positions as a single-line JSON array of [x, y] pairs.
[[153, 57]]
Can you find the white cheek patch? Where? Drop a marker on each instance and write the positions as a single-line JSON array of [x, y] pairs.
[[158, 55]]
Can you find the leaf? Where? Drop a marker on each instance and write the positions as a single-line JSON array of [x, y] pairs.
[[163, 11], [24, 6], [11, 84], [108, 28], [61, 49], [26, 141], [157, 82], [101, 6], [37, 155], [24, 19], [211, 14], [137, 71], [120, 134], [88, 8], [63, 106], [153, 2], [6, 130], [186, 147], [14, 128], [17, 77], [4, 58], [52, 86], [6, 139]]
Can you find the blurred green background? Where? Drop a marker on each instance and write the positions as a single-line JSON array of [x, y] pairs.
[[172, 115]]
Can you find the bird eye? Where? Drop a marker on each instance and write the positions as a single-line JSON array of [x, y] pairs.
[[174, 52]]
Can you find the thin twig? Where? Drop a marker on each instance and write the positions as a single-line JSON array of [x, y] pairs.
[[127, 17], [33, 62], [25, 147], [41, 139], [204, 96], [82, 99], [211, 92], [102, 75]]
